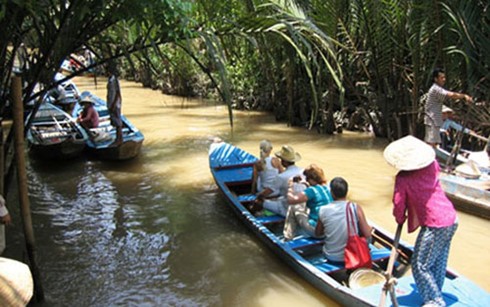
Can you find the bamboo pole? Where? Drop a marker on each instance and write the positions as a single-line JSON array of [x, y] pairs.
[[18, 126]]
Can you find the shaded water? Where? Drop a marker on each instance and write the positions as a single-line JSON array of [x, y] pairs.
[[154, 231]]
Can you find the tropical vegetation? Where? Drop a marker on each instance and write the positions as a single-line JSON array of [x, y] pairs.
[[327, 65]]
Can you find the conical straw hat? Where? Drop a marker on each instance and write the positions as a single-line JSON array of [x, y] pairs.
[[16, 286], [409, 153]]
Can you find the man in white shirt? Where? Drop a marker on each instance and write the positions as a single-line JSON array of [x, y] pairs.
[[274, 198], [433, 107]]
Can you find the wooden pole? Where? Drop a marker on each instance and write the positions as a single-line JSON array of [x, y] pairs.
[[390, 282], [18, 126]]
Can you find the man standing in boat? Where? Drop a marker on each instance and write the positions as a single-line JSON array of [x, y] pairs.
[[114, 101], [433, 107]]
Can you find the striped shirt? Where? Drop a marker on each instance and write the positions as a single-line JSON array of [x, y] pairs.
[[433, 106]]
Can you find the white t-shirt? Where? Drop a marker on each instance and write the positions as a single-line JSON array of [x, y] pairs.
[[280, 184], [334, 220], [267, 176]]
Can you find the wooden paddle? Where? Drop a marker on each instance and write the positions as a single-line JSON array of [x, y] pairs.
[[389, 284]]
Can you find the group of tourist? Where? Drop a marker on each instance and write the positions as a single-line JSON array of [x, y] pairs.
[[314, 207], [311, 206]]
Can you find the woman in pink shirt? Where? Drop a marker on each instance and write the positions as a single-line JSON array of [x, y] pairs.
[[419, 197]]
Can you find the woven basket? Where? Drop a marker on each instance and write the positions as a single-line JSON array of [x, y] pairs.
[[362, 277]]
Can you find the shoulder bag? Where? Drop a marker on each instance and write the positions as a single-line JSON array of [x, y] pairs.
[[356, 253]]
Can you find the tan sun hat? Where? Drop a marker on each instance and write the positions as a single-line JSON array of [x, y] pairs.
[[409, 153], [446, 109], [16, 285], [287, 153]]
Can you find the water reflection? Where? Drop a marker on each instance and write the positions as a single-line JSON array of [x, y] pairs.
[[154, 231]]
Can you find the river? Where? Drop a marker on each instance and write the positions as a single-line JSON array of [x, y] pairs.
[[154, 231]]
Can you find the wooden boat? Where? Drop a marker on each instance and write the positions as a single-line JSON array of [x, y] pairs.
[[469, 192], [443, 155], [463, 155], [54, 133], [471, 195], [101, 138], [232, 169]]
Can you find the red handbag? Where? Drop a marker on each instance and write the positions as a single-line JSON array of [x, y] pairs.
[[356, 253]]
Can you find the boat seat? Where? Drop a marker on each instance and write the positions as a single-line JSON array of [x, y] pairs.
[[245, 198], [376, 254], [303, 242], [234, 176]]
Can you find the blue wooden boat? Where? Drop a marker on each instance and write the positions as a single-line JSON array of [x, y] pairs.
[[101, 138], [232, 169], [54, 134]]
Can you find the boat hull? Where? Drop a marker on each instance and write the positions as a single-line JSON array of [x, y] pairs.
[[127, 150], [64, 150]]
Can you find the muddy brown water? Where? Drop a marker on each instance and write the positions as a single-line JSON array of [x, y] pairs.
[[154, 231]]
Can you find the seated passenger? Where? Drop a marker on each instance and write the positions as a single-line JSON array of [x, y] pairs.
[[316, 195], [332, 222], [274, 198], [88, 118], [449, 128], [266, 169]]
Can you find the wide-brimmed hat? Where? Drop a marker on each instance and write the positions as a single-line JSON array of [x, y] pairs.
[[446, 109], [287, 153], [409, 153]]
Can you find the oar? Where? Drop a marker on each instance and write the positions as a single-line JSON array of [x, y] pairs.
[[389, 284], [482, 138]]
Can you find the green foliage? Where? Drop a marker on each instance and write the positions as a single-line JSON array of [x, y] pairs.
[[295, 58]]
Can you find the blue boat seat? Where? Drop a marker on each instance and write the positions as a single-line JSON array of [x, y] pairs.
[[376, 254], [245, 198], [234, 176], [302, 242]]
